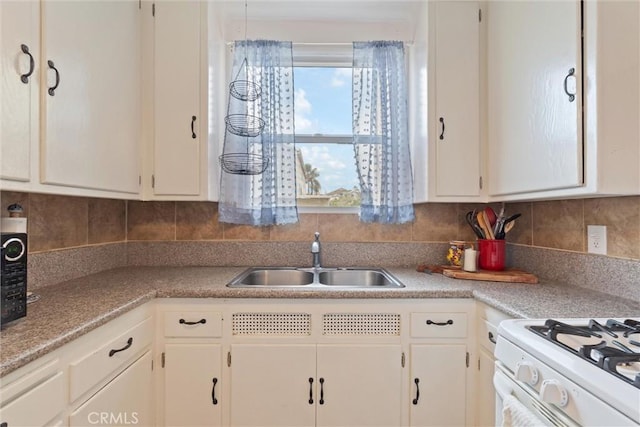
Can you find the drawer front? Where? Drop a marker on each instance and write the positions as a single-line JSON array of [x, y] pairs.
[[38, 406], [487, 335], [439, 325], [193, 324], [125, 401], [96, 366]]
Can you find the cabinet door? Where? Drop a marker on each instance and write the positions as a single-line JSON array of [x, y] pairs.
[[192, 387], [438, 399], [485, 392], [271, 385], [19, 91], [359, 385], [457, 77], [126, 400], [92, 123], [535, 128], [176, 158], [48, 398]]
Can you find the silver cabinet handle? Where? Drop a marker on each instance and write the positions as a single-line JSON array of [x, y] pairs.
[[572, 96]]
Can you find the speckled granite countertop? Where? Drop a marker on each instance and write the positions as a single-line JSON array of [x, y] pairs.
[[70, 309]]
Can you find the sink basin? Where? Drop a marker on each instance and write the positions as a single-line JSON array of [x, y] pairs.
[[359, 278], [305, 278], [273, 277]]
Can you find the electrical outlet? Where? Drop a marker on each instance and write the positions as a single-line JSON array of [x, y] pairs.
[[597, 239]]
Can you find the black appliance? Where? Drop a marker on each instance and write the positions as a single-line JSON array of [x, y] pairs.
[[13, 293]]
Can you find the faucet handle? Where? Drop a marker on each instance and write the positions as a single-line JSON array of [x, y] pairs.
[[317, 236]]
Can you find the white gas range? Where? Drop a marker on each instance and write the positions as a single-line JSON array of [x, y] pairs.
[[568, 372]]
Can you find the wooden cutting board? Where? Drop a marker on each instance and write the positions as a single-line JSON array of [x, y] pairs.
[[513, 276], [509, 275]]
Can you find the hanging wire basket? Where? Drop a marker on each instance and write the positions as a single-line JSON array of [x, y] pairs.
[[243, 163], [244, 89], [244, 124]]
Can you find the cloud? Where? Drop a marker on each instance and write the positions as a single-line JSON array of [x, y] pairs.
[[341, 77], [303, 109]]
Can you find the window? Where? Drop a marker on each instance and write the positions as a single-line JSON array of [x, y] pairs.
[[325, 166]]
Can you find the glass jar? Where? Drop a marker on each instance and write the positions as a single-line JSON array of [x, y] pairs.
[[456, 252]]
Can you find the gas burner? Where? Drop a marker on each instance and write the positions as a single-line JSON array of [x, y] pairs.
[[608, 346]]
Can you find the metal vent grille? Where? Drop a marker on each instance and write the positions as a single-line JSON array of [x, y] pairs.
[[361, 324], [271, 324]]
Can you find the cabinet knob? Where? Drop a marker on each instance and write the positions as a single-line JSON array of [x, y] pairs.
[[24, 78], [213, 392], [193, 123], [442, 129], [52, 90], [572, 96], [185, 322], [118, 350], [448, 322]]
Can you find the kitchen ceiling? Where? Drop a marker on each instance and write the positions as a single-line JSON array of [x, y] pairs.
[[318, 20], [321, 10]]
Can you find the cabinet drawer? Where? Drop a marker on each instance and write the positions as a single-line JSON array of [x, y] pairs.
[[38, 406], [487, 335], [439, 325], [124, 401], [193, 324], [96, 366]]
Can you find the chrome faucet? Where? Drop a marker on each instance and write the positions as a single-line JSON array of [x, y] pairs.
[[315, 251]]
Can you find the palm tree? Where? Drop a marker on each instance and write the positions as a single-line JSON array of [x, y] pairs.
[[311, 175]]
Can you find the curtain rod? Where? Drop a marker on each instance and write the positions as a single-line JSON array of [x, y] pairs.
[[336, 44]]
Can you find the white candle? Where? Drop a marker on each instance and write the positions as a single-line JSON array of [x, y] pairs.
[[470, 260]]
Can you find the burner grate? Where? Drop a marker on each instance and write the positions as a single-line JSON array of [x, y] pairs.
[[606, 346]]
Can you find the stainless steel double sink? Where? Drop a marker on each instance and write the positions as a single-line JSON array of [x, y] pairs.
[[305, 278]]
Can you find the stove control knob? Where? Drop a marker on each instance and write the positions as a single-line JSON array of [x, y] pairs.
[[527, 373], [553, 392]]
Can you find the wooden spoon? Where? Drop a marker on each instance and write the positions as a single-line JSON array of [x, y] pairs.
[[488, 233]]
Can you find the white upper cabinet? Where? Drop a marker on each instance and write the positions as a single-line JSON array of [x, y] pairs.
[[177, 91], [444, 102], [534, 103], [92, 109], [563, 99], [457, 104], [20, 38]]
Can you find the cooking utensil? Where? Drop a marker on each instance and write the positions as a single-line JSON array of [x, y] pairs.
[[511, 218], [483, 224], [490, 216], [470, 217], [509, 226]]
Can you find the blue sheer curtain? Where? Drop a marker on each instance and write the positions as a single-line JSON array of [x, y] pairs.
[[380, 129], [268, 197]]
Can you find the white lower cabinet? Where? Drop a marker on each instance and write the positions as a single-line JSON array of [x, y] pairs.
[[192, 384], [439, 384], [104, 377], [126, 400], [43, 389], [485, 391], [315, 363], [273, 385], [487, 331], [309, 385], [359, 385]]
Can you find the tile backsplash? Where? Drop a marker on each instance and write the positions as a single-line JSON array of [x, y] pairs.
[[59, 222]]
